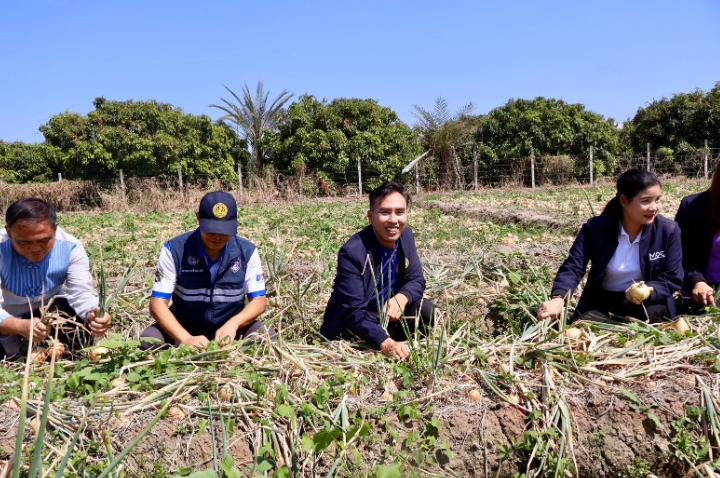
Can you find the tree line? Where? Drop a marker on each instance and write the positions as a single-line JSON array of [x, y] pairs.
[[331, 138]]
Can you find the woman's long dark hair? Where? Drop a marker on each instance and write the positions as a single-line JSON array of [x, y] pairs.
[[712, 214], [631, 183]]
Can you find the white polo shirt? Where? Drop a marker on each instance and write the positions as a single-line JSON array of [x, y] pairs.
[[624, 266]]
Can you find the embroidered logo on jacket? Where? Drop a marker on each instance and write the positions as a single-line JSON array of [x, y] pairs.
[[193, 261], [657, 255], [235, 265]]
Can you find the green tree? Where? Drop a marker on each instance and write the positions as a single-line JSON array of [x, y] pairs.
[[24, 162], [441, 132], [680, 123], [144, 138], [331, 137], [547, 126], [253, 116]]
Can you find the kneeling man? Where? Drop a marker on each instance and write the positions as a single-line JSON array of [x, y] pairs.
[[208, 273], [379, 276], [42, 265]]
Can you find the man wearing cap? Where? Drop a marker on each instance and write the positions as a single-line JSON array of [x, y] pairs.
[[380, 279], [208, 273]]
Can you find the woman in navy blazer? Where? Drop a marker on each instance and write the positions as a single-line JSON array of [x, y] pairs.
[[629, 242], [699, 219]]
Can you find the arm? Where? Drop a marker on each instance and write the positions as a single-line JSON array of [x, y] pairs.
[[350, 292], [163, 288], [569, 275], [670, 278], [81, 294], [255, 291], [10, 325]]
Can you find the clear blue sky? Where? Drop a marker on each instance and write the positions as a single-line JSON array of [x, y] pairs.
[[612, 56]]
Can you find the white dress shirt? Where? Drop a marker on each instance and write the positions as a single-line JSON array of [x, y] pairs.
[[624, 266]]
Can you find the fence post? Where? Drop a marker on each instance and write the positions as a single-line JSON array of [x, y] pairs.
[[475, 166], [59, 177], [122, 187], [300, 184], [705, 162], [359, 176], [591, 165], [648, 156], [180, 177], [240, 186], [2, 180], [532, 167], [417, 179]]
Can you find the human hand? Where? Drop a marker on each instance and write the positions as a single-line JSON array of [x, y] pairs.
[[397, 350], [99, 325], [40, 331], [703, 294], [549, 308], [197, 341], [226, 334], [395, 307]]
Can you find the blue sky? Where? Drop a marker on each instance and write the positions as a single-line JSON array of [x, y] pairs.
[[612, 56]]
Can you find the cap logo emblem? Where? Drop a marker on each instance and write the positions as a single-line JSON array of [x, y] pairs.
[[220, 210]]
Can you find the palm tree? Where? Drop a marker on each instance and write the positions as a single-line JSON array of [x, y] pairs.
[[441, 131], [252, 116]]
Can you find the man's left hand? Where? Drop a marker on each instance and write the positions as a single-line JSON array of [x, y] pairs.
[[395, 307], [99, 325], [226, 334]]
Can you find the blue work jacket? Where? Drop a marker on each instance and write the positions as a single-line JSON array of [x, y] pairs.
[[198, 304], [359, 266], [660, 259]]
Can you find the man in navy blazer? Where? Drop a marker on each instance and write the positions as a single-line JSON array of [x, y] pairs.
[[379, 281]]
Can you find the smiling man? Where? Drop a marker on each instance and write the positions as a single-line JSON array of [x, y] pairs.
[[42, 265], [208, 273], [380, 279]]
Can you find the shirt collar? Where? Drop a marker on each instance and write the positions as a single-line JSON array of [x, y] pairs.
[[209, 261], [624, 233]]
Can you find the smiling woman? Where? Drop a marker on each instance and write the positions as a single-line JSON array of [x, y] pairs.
[[627, 244]]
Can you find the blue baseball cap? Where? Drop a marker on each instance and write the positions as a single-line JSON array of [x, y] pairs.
[[218, 214]]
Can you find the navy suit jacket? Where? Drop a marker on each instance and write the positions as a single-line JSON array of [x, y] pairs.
[[660, 259], [358, 260], [697, 237]]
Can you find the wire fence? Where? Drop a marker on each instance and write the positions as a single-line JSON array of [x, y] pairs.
[[469, 173]]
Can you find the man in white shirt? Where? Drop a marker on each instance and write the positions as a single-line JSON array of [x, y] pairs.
[[41, 264]]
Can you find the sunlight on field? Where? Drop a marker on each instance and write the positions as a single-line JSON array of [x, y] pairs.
[[490, 390]]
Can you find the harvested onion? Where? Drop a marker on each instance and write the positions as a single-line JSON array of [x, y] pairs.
[[98, 353], [175, 413], [56, 350], [680, 325], [639, 291], [474, 394], [225, 393], [573, 333], [118, 382]]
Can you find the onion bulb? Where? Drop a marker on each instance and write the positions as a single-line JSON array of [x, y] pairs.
[[98, 353], [175, 413], [56, 350], [118, 382], [474, 394], [639, 291], [573, 333], [39, 355], [35, 424], [225, 393], [680, 325]]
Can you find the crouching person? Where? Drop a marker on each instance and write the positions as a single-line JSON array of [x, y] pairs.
[[37, 260], [208, 273], [379, 274]]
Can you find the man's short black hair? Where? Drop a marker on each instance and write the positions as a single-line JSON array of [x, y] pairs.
[[384, 190], [33, 209]]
